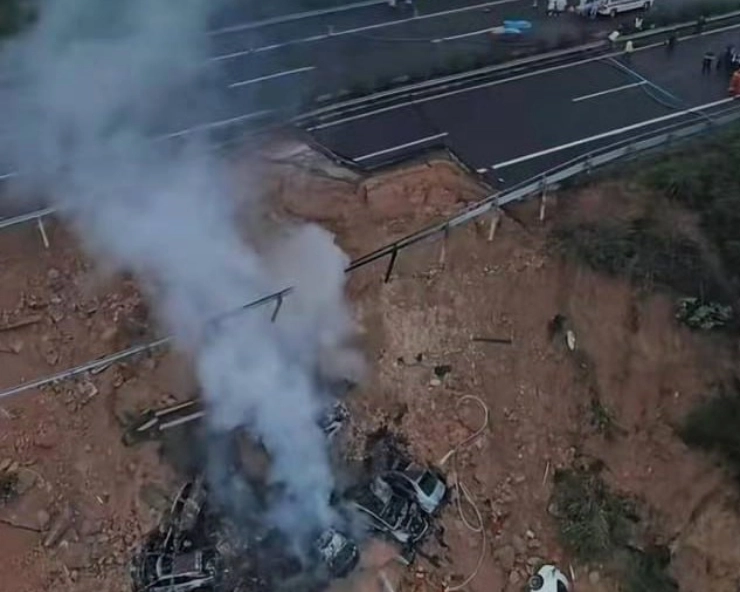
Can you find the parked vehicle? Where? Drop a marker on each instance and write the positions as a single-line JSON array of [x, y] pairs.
[[422, 485], [390, 513], [614, 7]]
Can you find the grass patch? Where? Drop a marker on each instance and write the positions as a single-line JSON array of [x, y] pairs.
[[639, 249], [592, 521], [712, 426], [646, 571], [598, 526], [705, 177]]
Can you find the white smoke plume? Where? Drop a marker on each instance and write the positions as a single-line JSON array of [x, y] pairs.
[[93, 81]]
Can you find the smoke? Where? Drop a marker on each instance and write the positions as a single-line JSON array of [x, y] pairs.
[[94, 81]]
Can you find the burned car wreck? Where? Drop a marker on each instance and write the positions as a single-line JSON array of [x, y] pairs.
[[215, 537], [197, 549]]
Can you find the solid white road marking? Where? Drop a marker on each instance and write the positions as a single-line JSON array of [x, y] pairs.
[[289, 18], [609, 91], [322, 36], [400, 147], [530, 74], [272, 76], [215, 124], [614, 132]]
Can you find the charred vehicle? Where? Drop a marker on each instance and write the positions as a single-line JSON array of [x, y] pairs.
[[194, 550], [423, 485], [389, 512], [179, 556]]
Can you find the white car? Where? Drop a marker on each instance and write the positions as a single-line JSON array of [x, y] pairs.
[[422, 485], [548, 579], [614, 7]]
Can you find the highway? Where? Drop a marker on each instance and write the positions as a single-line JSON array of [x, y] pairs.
[[289, 63], [512, 129]]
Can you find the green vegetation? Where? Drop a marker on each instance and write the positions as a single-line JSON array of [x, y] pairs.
[[712, 426], [705, 177], [640, 249], [599, 526], [592, 521], [646, 571]]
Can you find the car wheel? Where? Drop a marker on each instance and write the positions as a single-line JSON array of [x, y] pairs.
[[535, 583]]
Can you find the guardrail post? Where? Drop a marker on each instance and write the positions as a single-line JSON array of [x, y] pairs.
[[391, 263], [543, 197], [495, 219], [278, 306], [443, 250], [587, 164], [42, 231]]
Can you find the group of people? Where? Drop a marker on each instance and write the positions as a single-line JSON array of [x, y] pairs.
[[728, 62]]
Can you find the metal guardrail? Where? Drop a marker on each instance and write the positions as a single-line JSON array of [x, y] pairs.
[[629, 148], [490, 73]]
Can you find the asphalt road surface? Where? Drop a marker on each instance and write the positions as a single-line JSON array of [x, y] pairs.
[[513, 129], [286, 63]]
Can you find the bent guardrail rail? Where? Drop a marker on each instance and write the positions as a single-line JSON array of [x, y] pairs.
[[631, 147]]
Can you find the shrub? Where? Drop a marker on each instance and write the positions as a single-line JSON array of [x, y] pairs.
[[712, 426], [592, 521], [640, 250]]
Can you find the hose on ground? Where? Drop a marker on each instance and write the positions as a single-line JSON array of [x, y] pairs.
[[463, 494]]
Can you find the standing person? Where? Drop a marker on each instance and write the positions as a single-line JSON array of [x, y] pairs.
[[730, 56], [629, 49], [613, 36], [550, 7], [707, 61], [638, 23], [670, 43], [734, 88], [700, 22]]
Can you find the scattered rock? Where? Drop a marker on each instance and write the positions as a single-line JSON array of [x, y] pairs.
[[155, 497], [25, 481], [59, 526], [514, 577], [594, 577], [519, 544], [534, 561], [75, 556], [5, 464], [552, 509], [442, 370], [42, 519], [506, 556], [435, 382], [529, 534]]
